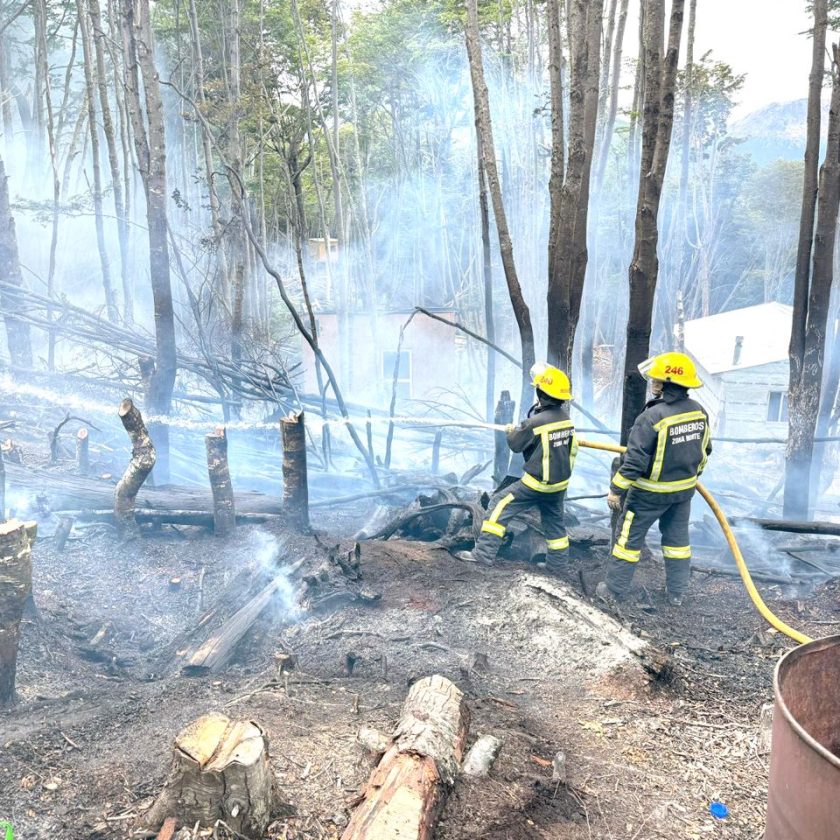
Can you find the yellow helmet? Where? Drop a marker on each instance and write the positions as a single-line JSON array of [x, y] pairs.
[[551, 380], [671, 367]]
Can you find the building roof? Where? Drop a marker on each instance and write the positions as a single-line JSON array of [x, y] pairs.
[[763, 330]]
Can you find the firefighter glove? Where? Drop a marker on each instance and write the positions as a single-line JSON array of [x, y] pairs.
[[614, 501]]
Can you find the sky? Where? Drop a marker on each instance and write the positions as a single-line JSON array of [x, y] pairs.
[[764, 39]]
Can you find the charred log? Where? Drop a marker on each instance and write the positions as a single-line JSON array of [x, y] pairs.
[[142, 460], [16, 540], [83, 451]]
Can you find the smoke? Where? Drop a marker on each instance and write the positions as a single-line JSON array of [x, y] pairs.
[[270, 556]]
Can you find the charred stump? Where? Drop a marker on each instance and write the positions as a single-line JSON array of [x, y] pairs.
[[406, 791], [142, 460], [224, 509], [220, 771], [15, 589], [83, 451], [295, 484]]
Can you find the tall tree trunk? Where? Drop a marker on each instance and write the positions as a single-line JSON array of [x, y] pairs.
[[487, 282], [806, 388], [484, 125], [5, 93], [93, 127], [568, 253], [658, 120], [113, 160], [150, 146], [17, 331]]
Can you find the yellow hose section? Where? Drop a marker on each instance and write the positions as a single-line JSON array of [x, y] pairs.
[[759, 604]]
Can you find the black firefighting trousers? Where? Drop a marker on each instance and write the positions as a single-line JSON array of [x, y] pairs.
[[509, 502], [641, 510]]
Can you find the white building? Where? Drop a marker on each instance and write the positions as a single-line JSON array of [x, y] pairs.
[[745, 356]]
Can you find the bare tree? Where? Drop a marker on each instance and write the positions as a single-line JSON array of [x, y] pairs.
[[150, 146], [567, 248], [810, 316], [481, 99], [17, 330], [660, 80]]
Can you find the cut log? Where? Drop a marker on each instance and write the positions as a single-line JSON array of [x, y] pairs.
[[16, 540], [405, 793], [224, 509], [83, 451], [481, 756], [220, 771], [142, 460], [295, 486], [144, 516]]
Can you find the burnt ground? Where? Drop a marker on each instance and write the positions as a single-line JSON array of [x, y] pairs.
[[87, 745]]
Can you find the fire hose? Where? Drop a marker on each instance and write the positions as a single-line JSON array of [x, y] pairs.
[[746, 577]]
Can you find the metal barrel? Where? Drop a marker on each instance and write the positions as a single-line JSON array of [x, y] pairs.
[[804, 795]]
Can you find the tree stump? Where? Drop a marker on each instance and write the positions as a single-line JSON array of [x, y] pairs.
[[405, 793], [16, 540], [83, 451], [143, 458], [220, 771], [224, 509], [295, 484]]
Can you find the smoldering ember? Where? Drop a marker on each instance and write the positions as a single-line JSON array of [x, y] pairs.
[[419, 419]]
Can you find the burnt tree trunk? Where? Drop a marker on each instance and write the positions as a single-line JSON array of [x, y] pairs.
[[295, 484], [224, 509], [806, 375], [150, 146], [484, 127], [406, 791], [657, 122], [143, 458], [504, 415], [220, 771], [568, 256], [16, 540], [83, 451], [17, 331]]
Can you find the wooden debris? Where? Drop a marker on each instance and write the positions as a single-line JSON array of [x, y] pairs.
[[83, 451], [224, 509], [372, 740], [481, 756], [295, 486], [220, 771], [62, 532], [143, 458], [504, 415], [405, 793], [16, 540]]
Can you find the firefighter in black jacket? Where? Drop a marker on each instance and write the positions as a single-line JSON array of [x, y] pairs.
[[547, 441], [666, 453]]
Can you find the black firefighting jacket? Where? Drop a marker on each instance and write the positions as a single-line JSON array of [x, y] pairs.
[[668, 446], [547, 441]]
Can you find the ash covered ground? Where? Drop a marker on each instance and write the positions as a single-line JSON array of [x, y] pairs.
[[101, 697]]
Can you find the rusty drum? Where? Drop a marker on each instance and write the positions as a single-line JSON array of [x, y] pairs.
[[804, 797]]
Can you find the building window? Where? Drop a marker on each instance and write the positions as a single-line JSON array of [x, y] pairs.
[[389, 359], [777, 407]]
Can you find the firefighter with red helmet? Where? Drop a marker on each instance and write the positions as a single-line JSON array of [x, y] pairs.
[[666, 452]]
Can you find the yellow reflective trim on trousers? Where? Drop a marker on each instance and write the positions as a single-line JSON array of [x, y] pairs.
[[626, 554], [621, 482], [493, 528], [625, 528], [541, 487], [676, 552], [557, 545], [666, 486], [491, 524]]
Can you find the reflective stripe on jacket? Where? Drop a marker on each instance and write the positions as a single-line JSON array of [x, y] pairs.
[[668, 446], [547, 441]]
